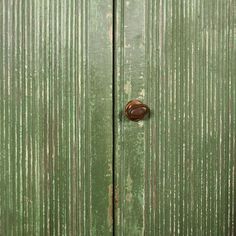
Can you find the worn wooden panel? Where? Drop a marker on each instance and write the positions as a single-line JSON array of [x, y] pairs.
[[55, 117], [175, 173]]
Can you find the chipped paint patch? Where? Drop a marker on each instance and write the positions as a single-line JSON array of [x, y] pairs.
[[110, 30], [141, 94], [129, 187], [127, 3], [140, 123], [110, 33], [127, 87]]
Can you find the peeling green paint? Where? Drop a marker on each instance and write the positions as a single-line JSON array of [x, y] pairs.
[[178, 57], [55, 144], [174, 173]]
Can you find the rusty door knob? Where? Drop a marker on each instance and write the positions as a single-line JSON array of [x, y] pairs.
[[136, 110]]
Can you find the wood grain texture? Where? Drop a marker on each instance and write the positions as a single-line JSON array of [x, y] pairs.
[[55, 117], [175, 174]]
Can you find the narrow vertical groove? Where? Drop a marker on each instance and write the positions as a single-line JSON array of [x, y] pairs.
[[114, 190]]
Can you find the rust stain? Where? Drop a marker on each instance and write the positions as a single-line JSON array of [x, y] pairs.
[[110, 207], [116, 197]]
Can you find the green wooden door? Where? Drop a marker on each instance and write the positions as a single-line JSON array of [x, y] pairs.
[[55, 117], [175, 173], [67, 71]]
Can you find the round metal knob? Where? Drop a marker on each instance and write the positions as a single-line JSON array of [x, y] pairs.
[[136, 110]]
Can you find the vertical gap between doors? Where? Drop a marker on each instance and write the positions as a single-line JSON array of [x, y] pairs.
[[113, 110]]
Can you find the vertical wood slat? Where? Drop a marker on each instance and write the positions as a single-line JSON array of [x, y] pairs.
[[175, 173], [55, 172]]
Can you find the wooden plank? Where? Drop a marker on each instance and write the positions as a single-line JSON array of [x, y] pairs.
[[175, 173], [56, 117]]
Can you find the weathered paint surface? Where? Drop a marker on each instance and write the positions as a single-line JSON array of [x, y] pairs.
[[55, 117], [175, 173]]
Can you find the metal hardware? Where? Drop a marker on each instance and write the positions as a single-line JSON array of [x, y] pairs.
[[135, 110]]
